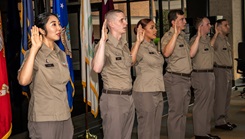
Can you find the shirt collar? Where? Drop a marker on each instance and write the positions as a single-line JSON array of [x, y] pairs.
[[222, 36], [146, 43], [46, 50], [115, 42], [205, 38]]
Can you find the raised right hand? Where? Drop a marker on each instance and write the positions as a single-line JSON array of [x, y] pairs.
[[36, 38], [217, 30], [199, 30], [177, 29], [104, 31], [140, 34]]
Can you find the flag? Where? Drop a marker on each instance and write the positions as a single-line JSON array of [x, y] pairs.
[[5, 106], [89, 77], [27, 23], [107, 5], [60, 8]]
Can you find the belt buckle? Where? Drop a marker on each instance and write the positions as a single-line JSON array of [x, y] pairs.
[[120, 92], [130, 93]]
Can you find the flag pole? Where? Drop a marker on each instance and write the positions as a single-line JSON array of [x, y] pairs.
[[151, 9], [87, 82], [86, 99], [47, 4], [87, 134]]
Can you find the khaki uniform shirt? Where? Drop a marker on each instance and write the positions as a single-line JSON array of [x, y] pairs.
[[222, 51], [116, 73], [149, 69], [48, 87], [204, 57], [179, 61]]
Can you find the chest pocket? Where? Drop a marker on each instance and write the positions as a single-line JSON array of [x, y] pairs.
[[228, 48], [119, 56], [55, 73], [180, 50], [50, 71], [205, 50], [153, 58], [225, 49], [120, 61]]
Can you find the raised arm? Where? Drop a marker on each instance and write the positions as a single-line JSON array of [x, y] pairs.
[[25, 73], [217, 31], [169, 48], [99, 58], [140, 37], [194, 46]]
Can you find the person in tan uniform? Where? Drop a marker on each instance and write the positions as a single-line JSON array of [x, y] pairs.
[[202, 79], [45, 68], [113, 60], [223, 74], [148, 86], [177, 78]]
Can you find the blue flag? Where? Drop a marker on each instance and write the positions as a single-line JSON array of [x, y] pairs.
[[28, 22], [60, 9]]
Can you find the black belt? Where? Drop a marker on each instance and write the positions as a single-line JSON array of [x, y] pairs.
[[210, 70], [180, 74], [225, 67], [129, 92]]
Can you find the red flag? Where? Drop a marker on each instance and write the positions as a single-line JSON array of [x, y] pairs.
[[5, 107], [107, 5]]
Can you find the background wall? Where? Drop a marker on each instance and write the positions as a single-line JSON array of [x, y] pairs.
[[237, 28]]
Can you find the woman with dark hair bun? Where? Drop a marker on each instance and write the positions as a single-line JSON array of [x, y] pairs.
[[148, 86], [45, 70]]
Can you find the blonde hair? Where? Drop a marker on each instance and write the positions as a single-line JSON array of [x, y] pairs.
[[110, 14]]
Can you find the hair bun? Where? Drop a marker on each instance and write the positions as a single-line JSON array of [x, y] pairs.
[[135, 30]]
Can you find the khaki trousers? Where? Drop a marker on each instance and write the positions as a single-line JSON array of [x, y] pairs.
[[179, 95], [117, 113], [204, 89], [51, 130], [149, 108], [223, 85]]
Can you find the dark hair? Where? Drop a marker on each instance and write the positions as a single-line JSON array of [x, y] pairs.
[[219, 22], [143, 23], [198, 21], [42, 19], [172, 15]]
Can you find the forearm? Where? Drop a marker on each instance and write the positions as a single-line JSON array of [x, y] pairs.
[[25, 74], [134, 51], [213, 39], [169, 48], [99, 58], [194, 47]]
